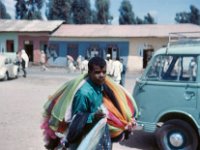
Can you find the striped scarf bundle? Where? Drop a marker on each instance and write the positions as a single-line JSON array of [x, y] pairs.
[[120, 104]]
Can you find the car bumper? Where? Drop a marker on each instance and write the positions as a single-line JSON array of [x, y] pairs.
[[2, 75], [146, 126]]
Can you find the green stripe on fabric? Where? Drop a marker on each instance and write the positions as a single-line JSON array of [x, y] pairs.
[[67, 97]]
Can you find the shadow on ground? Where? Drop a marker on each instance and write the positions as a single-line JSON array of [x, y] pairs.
[[141, 140]]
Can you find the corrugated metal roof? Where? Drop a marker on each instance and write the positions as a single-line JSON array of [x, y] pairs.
[[153, 30], [28, 25]]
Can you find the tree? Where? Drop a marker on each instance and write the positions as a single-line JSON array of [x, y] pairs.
[[194, 15], [126, 14], [28, 9], [20, 9], [189, 17], [81, 12], [103, 15], [139, 20], [94, 19], [60, 10], [3, 12], [148, 19]]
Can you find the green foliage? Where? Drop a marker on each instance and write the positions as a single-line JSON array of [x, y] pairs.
[[3, 12], [189, 17], [126, 14], [139, 20], [28, 9], [102, 8], [81, 12], [60, 10], [148, 19]]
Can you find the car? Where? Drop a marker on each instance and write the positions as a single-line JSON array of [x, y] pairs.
[[168, 95], [8, 69]]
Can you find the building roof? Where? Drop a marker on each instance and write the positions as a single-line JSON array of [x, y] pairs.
[[153, 30], [28, 25]]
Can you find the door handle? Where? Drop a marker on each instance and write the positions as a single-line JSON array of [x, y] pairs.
[[189, 95]]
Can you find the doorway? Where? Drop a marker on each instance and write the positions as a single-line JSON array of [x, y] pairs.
[[113, 50], [147, 54], [28, 46]]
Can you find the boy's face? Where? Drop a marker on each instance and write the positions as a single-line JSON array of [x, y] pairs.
[[98, 74]]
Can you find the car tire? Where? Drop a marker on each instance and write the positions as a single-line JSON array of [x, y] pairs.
[[177, 135]]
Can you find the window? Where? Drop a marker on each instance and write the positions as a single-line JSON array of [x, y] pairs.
[[94, 50], [113, 50], [72, 50], [52, 51], [10, 45], [43, 46], [176, 68]]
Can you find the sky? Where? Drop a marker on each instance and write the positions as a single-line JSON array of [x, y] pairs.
[[163, 11]]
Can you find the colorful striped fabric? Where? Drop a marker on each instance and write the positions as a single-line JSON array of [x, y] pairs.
[[118, 117]]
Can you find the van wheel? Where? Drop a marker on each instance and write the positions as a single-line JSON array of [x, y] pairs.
[[177, 135]]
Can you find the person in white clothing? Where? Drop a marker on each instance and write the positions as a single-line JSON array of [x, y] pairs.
[[117, 70], [84, 65], [109, 64], [25, 61], [43, 60]]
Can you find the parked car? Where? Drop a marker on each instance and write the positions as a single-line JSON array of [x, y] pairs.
[[8, 69], [168, 96]]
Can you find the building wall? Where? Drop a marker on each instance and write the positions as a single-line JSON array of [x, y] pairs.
[[137, 45], [84, 45], [131, 49], [36, 40], [8, 36]]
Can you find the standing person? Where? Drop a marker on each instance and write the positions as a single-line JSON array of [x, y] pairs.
[[109, 63], [123, 73], [24, 62], [89, 97], [117, 70], [78, 62], [98, 102], [18, 60], [43, 60], [70, 62], [84, 65]]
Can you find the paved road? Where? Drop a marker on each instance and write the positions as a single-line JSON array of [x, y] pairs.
[[21, 102]]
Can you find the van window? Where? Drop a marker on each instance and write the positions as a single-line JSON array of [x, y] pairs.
[[175, 68]]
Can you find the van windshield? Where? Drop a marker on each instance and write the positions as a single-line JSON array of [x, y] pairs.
[[173, 67]]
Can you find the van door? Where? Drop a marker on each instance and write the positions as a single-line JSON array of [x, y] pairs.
[[168, 85]]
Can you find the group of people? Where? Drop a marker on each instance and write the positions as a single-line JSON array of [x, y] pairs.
[[80, 64], [89, 112], [116, 69], [22, 60]]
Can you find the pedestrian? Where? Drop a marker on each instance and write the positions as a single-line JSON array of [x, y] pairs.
[[43, 60], [123, 73], [109, 63], [78, 62], [84, 65], [117, 70], [71, 66], [87, 108], [89, 97], [18, 61], [25, 61]]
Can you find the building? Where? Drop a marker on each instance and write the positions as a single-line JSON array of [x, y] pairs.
[[32, 36], [133, 43]]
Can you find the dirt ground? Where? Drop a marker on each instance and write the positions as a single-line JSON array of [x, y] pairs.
[[21, 107]]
